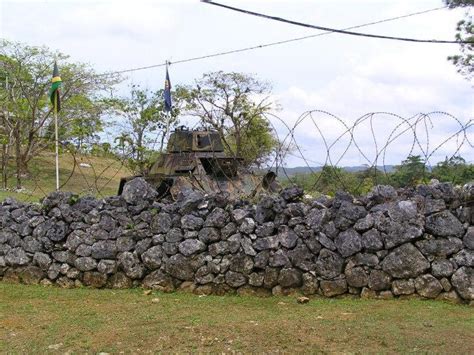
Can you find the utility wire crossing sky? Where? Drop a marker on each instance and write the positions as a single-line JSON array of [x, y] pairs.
[[326, 32], [332, 29]]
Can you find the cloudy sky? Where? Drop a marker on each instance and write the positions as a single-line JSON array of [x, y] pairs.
[[345, 76]]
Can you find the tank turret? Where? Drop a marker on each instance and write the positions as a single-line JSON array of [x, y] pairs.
[[184, 140]]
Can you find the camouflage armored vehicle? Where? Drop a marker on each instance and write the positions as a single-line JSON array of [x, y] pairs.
[[196, 159]]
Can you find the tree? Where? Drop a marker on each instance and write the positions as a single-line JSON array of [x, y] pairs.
[[145, 124], [85, 121], [235, 104], [29, 70], [411, 172], [454, 170], [464, 61], [330, 180], [369, 177], [257, 142], [6, 131]]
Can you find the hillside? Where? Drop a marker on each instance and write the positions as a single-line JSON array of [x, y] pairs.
[[87, 175], [351, 169]]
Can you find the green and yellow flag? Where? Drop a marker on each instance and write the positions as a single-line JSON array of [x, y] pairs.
[[54, 91]]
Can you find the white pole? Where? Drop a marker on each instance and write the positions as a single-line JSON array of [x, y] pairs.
[[168, 119], [57, 139]]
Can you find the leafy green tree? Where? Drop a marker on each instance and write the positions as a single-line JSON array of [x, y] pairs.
[[6, 130], [454, 170], [411, 172], [85, 122], [330, 180], [257, 143], [29, 71], [368, 178], [145, 124], [327, 181], [464, 61], [235, 104]]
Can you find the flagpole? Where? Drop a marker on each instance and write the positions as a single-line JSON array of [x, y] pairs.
[[168, 113], [56, 138]]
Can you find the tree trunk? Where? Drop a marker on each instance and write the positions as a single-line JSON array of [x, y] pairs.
[[18, 155], [238, 144], [140, 155], [5, 154]]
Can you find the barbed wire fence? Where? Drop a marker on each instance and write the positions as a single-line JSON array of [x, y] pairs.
[[317, 141], [430, 136]]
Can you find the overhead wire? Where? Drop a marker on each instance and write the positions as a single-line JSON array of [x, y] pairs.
[[245, 49], [334, 30]]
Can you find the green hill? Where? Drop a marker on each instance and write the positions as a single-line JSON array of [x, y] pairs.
[[84, 175]]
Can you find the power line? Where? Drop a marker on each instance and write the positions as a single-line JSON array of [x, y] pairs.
[[351, 33], [296, 39]]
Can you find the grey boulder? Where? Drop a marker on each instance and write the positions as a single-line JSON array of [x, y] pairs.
[[348, 242], [444, 224], [404, 262], [463, 282], [152, 257], [428, 286], [137, 190], [191, 246]]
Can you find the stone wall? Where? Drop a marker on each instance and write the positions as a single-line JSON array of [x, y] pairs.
[[388, 243]]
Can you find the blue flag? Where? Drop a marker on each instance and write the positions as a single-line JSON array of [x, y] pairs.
[[167, 92]]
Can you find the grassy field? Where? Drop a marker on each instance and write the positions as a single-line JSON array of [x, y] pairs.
[[34, 319], [100, 179]]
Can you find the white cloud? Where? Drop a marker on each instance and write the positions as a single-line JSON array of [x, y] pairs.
[[387, 83]]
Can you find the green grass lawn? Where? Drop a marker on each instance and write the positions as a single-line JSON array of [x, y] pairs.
[[100, 179], [34, 319]]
